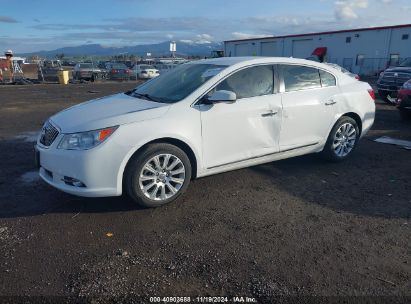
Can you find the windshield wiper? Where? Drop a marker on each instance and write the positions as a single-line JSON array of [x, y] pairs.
[[145, 96], [148, 97]]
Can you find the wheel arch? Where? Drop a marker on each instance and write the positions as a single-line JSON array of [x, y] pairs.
[[169, 140], [357, 119]]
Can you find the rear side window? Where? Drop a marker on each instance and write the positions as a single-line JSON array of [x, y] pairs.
[[250, 82], [297, 78], [327, 79]]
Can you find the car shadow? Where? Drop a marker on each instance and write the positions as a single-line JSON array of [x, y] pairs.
[[358, 185], [23, 193]]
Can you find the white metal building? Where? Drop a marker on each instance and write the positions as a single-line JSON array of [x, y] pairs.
[[365, 51]]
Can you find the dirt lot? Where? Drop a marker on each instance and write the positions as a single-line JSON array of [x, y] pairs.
[[296, 227]]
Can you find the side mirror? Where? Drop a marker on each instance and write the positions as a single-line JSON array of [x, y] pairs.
[[221, 96]]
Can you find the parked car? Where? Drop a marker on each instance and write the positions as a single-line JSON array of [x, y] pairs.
[[118, 71], [88, 71], [392, 79], [48, 70], [404, 100], [344, 70], [206, 117], [144, 71], [165, 67]]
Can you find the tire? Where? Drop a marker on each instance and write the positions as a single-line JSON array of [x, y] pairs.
[[384, 97], [338, 153], [139, 189], [404, 114]]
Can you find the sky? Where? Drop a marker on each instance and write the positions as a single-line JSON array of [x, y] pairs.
[[33, 25]]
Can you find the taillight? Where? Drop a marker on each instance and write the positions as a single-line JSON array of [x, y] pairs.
[[357, 77], [127, 71], [114, 71], [372, 94]]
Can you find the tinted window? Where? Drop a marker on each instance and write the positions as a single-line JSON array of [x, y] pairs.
[[250, 82], [327, 79], [300, 78]]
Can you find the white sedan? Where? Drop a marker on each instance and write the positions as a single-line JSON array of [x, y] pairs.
[[203, 118], [145, 71]]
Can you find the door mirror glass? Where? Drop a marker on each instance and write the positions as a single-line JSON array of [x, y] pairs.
[[222, 96]]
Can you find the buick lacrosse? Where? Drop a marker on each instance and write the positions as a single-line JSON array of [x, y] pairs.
[[203, 118]]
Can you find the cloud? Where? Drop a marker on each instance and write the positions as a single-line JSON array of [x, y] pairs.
[[7, 19], [239, 35], [342, 14], [346, 9]]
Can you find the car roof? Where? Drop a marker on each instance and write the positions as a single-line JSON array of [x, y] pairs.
[[230, 61]]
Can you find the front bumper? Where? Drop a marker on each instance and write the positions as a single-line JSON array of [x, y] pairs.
[[98, 169], [392, 90]]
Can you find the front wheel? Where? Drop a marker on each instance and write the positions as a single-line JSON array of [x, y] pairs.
[[386, 96], [342, 140], [158, 175]]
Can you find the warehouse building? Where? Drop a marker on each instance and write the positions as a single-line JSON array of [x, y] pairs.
[[364, 51]]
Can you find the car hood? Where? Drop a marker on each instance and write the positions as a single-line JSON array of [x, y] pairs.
[[399, 69], [107, 111]]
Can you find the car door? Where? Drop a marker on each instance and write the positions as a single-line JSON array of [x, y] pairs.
[[249, 127], [308, 106]]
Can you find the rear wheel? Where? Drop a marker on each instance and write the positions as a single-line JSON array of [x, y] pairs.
[[386, 96], [342, 140], [158, 175]]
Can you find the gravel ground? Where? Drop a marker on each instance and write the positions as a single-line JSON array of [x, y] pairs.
[[298, 227]]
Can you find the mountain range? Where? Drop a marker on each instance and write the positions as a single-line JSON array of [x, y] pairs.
[[159, 49]]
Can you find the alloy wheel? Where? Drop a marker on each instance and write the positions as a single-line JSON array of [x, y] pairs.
[[162, 177], [344, 139]]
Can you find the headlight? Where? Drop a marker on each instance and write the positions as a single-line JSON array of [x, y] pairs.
[[381, 74], [407, 85], [85, 140]]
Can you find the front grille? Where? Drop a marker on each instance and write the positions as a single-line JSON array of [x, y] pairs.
[[48, 134], [394, 79]]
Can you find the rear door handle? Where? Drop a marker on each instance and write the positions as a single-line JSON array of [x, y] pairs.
[[269, 113], [330, 102]]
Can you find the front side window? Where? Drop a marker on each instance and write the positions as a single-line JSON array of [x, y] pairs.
[[250, 82], [297, 78], [327, 79]]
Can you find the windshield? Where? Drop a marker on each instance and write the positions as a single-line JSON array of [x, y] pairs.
[[177, 84], [406, 63], [146, 67], [86, 65]]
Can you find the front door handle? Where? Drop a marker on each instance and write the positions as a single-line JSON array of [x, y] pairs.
[[330, 102], [269, 113]]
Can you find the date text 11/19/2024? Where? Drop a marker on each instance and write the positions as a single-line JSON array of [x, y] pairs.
[[208, 299]]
